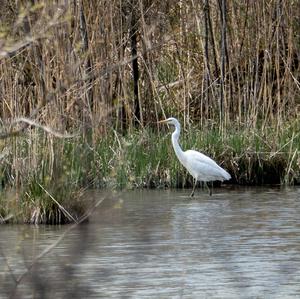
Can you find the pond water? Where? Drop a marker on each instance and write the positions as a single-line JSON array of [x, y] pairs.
[[238, 243]]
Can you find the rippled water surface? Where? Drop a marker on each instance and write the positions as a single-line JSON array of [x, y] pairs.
[[242, 243]]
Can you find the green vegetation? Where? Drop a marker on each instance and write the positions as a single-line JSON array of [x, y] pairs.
[[110, 70], [50, 177]]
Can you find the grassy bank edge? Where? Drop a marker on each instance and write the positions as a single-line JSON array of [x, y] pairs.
[[43, 178]]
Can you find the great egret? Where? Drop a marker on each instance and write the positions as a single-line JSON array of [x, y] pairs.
[[201, 167]]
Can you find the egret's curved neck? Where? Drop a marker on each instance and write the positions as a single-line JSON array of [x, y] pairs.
[[176, 146]]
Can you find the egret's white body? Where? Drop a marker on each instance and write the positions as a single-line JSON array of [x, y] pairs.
[[201, 167]]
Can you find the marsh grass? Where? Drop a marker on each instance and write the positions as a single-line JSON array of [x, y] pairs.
[[46, 177], [253, 157], [82, 66]]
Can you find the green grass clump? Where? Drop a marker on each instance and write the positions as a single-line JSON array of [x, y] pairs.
[[45, 177]]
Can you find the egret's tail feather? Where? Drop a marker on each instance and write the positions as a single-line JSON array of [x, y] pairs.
[[226, 175]]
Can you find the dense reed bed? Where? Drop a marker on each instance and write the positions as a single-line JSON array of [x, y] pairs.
[[107, 71]]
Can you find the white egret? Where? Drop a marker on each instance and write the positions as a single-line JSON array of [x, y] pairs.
[[201, 167]]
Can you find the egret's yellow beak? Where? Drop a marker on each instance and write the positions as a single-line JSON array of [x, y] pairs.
[[162, 121]]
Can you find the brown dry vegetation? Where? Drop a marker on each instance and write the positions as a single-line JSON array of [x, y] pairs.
[[195, 59], [227, 67]]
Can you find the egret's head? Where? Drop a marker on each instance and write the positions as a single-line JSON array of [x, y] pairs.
[[171, 121]]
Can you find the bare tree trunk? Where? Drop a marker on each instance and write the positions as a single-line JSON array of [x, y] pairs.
[[135, 65], [222, 4], [88, 63], [206, 50], [212, 38]]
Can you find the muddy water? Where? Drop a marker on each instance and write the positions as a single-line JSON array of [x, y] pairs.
[[242, 243]]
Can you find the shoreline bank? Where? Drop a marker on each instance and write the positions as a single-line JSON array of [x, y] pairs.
[[50, 175]]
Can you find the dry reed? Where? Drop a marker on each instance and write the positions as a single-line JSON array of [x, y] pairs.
[[94, 66]]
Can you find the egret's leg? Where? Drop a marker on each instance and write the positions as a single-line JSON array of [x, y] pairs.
[[209, 190], [193, 192]]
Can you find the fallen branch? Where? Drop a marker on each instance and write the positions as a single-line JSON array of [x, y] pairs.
[[31, 122]]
